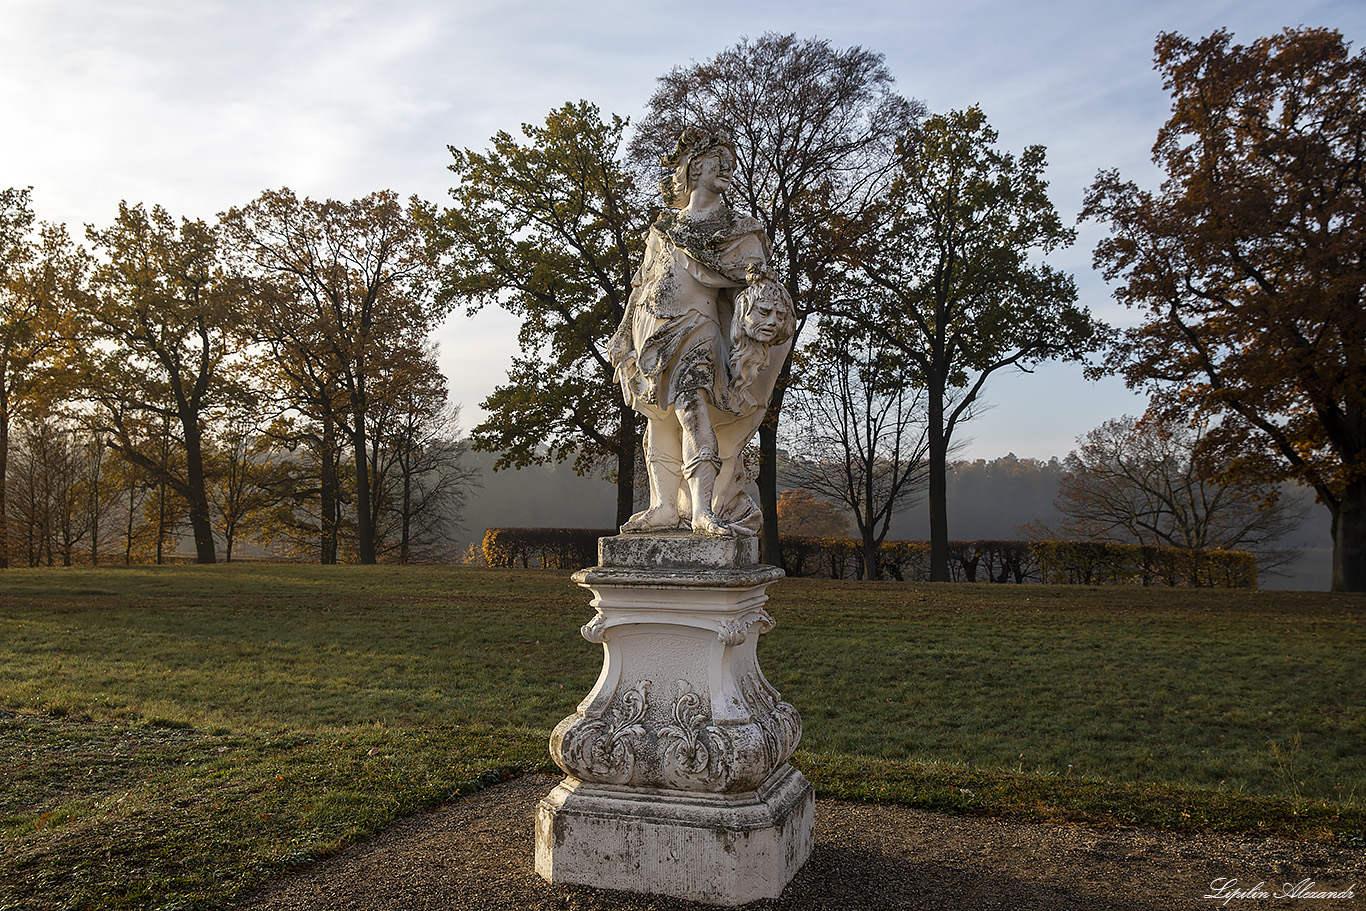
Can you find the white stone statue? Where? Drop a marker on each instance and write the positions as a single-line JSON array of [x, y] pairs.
[[705, 334], [676, 774]]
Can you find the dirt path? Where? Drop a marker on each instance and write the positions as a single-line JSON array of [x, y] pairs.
[[476, 854]]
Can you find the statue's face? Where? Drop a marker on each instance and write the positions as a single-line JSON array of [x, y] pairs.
[[716, 171], [763, 322]]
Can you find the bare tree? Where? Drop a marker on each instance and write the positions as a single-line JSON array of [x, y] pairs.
[[1151, 481], [421, 479], [858, 431], [59, 491], [243, 487]]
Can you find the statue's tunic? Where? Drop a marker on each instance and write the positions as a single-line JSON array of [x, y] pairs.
[[673, 336]]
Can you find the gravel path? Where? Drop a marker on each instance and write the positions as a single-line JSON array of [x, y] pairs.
[[476, 853]]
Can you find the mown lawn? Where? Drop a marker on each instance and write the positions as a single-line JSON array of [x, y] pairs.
[[170, 737]]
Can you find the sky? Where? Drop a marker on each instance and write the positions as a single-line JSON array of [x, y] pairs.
[[200, 105]]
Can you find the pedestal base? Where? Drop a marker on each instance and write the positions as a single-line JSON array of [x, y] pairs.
[[718, 849]]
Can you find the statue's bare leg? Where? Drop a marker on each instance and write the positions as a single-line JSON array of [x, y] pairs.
[[700, 461], [664, 469]]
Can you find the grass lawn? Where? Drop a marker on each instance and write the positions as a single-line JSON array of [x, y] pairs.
[[172, 736]]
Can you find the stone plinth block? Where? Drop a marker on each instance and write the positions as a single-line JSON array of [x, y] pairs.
[[678, 549], [680, 749], [719, 850]]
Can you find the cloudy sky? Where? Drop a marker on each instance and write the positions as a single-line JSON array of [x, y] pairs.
[[198, 105]]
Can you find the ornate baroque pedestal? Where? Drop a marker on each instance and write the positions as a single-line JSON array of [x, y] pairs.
[[677, 781]]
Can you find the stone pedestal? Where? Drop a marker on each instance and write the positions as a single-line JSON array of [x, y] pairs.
[[677, 781]]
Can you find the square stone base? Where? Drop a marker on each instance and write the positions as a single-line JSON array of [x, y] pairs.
[[717, 849], [665, 550]]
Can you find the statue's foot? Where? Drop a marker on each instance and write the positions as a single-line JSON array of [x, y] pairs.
[[656, 518], [706, 523]]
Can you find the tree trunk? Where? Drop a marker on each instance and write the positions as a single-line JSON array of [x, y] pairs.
[[406, 514], [1349, 539], [871, 570], [161, 522], [4, 471], [128, 531], [770, 551], [938, 489], [365, 526], [198, 498], [327, 493]]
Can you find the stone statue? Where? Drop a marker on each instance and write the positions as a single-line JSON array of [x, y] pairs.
[[705, 334], [677, 758]]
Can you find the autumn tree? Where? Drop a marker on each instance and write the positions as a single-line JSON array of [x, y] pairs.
[[551, 228], [16, 316], [950, 283], [338, 284], [156, 349], [857, 430], [815, 129], [245, 480], [41, 272], [1150, 481], [801, 512], [1248, 264]]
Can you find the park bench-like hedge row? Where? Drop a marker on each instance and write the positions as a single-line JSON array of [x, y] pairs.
[[1056, 562]]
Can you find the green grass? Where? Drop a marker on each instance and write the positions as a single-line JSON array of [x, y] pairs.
[[170, 737]]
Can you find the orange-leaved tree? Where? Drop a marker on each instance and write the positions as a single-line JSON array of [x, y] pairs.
[[1248, 264]]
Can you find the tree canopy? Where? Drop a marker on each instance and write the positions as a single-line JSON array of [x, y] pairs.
[[1248, 266], [949, 281], [551, 229], [344, 291], [157, 347]]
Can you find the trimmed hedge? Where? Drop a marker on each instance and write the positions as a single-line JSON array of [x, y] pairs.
[[1092, 563], [552, 548], [1018, 562], [1056, 562]]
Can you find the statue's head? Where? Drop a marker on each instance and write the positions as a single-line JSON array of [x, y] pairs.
[[694, 145], [764, 320], [764, 312]]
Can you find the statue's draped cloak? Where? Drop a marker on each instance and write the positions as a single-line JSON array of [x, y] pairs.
[[675, 337], [675, 333]]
